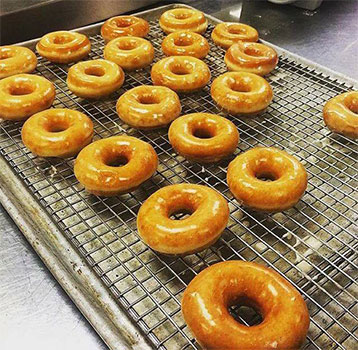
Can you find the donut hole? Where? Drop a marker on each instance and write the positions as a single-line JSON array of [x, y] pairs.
[[182, 15], [267, 176], [253, 51], [21, 89], [352, 104], [183, 41], [354, 107], [117, 160], [202, 133], [240, 86], [95, 71], [203, 129], [181, 70], [245, 314], [236, 30], [148, 99], [181, 214], [57, 127], [266, 167], [123, 23], [62, 39], [182, 206], [127, 45]]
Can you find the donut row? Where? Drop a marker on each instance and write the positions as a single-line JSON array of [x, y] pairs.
[[235, 93]]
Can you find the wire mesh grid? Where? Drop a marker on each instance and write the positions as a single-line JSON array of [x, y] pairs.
[[313, 245]]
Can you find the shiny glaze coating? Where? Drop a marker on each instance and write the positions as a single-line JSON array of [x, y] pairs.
[[241, 93], [16, 60], [185, 43], [130, 53], [251, 57], [340, 114], [64, 46], [227, 33], [57, 132], [97, 169], [22, 95], [181, 73], [207, 298], [289, 179], [116, 27], [146, 107], [94, 78], [183, 19], [219, 137], [209, 217]]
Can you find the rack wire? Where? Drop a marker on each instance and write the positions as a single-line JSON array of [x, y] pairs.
[[314, 245]]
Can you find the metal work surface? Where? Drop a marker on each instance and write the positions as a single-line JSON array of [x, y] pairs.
[[311, 34], [52, 315], [17, 16], [313, 245]]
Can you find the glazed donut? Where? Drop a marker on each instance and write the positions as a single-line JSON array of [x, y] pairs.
[[208, 296], [115, 165], [124, 26], [183, 19], [241, 93], [246, 171], [63, 46], [208, 219], [16, 60], [23, 95], [57, 132], [146, 107], [251, 57], [181, 73], [185, 43], [95, 78], [226, 34], [341, 114], [130, 53], [203, 137]]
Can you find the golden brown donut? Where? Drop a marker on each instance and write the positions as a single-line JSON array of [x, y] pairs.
[[208, 296], [57, 132], [147, 107], [22, 95], [16, 60], [130, 53], [115, 165], [203, 137], [185, 43], [183, 19], [95, 78], [181, 73], [251, 57], [124, 26], [241, 93], [64, 46], [245, 173], [227, 33], [340, 114], [208, 219]]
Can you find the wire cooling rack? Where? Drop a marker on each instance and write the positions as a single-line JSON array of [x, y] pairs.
[[314, 245]]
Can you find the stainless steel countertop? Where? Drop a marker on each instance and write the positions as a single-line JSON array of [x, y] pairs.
[[328, 35], [34, 311]]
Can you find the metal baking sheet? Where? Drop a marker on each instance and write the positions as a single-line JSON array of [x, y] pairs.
[[130, 294]]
